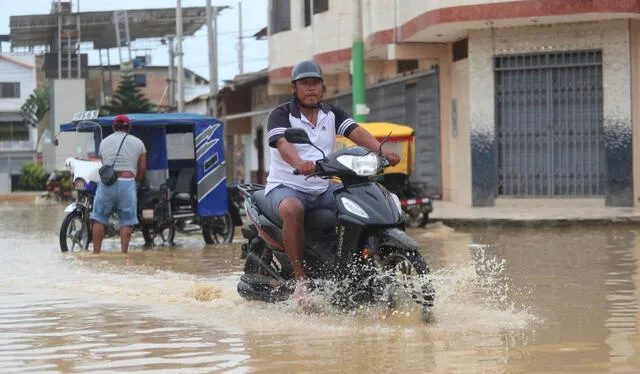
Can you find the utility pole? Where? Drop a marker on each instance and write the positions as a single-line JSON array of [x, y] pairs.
[[180, 77], [116, 19], [360, 109], [240, 44], [126, 33], [59, 12], [78, 55], [171, 75], [212, 39]]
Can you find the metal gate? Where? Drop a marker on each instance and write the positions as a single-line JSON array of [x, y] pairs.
[[549, 124], [413, 101]]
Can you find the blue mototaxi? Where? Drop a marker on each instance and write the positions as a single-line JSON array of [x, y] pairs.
[[197, 146]]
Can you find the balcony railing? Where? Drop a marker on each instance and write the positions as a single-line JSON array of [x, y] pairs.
[[17, 145]]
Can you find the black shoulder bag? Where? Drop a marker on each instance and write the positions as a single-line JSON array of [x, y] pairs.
[[108, 175]]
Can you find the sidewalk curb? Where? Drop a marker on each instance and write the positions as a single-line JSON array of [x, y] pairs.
[[538, 222], [26, 197]]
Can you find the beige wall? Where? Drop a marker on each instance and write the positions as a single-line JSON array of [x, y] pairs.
[[458, 159], [410, 9], [286, 48], [332, 30], [634, 44]]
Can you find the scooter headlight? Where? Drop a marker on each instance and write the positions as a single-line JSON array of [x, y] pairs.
[[354, 208], [365, 166], [396, 201], [79, 184]]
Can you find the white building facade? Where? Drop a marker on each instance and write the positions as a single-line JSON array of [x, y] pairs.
[[534, 98], [17, 138]]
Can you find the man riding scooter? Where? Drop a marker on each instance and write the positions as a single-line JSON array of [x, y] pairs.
[[291, 194]]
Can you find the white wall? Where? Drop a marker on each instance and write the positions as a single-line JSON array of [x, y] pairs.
[[12, 72], [68, 97], [198, 107]]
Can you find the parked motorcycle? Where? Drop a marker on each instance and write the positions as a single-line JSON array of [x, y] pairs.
[[58, 186], [363, 248]]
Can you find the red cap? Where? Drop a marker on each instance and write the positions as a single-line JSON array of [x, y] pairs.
[[121, 119]]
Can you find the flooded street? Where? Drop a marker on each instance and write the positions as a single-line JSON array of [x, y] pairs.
[[509, 301]]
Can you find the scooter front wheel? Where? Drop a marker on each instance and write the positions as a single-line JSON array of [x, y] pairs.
[[406, 271]]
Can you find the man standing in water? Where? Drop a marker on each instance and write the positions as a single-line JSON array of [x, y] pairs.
[[129, 158], [290, 195]]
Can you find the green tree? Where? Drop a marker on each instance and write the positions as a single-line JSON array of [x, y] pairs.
[[128, 99], [36, 105]]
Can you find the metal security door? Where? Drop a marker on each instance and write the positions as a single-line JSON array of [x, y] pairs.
[[549, 124]]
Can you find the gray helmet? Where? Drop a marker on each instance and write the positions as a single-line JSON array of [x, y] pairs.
[[306, 69]]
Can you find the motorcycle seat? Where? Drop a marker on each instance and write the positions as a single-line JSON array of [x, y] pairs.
[[184, 186], [317, 219]]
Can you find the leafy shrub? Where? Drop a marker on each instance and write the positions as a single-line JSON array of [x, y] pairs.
[[32, 177]]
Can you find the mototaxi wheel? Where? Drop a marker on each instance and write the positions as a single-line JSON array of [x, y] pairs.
[[158, 236], [218, 230], [405, 272], [74, 233], [416, 216]]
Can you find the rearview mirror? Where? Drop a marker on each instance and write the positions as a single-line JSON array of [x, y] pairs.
[[55, 141], [297, 136]]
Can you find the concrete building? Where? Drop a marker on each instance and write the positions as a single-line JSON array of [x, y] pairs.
[[518, 99], [153, 82], [244, 105], [17, 138]]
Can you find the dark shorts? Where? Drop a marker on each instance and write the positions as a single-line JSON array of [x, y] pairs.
[[324, 200]]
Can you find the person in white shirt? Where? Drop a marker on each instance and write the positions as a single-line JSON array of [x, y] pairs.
[[290, 195]]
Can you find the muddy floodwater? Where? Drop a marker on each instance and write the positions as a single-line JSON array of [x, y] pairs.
[[509, 301]]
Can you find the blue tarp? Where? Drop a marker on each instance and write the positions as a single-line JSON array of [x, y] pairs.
[[148, 119]]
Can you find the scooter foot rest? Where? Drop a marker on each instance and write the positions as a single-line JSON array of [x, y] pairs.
[[261, 280], [248, 292]]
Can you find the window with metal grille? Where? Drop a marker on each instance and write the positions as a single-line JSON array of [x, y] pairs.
[[10, 90], [406, 65], [280, 16], [320, 6], [307, 13]]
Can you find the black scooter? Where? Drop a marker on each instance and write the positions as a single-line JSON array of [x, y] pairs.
[[363, 247]]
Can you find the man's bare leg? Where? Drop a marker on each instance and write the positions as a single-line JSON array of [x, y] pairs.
[[125, 237], [98, 236], [292, 213]]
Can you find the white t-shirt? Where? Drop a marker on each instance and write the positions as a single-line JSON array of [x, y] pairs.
[[331, 121]]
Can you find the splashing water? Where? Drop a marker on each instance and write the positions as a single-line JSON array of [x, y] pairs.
[[480, 295], [476, 295]]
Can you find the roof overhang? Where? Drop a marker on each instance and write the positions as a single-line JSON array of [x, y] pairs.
[[99, 27]]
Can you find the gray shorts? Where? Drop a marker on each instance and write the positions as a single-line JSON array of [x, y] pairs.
[[324, 200]]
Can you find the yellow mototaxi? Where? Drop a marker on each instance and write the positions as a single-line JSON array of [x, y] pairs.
[[401, 140]]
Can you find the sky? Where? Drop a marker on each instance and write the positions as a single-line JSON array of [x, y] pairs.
[[196, 57]]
